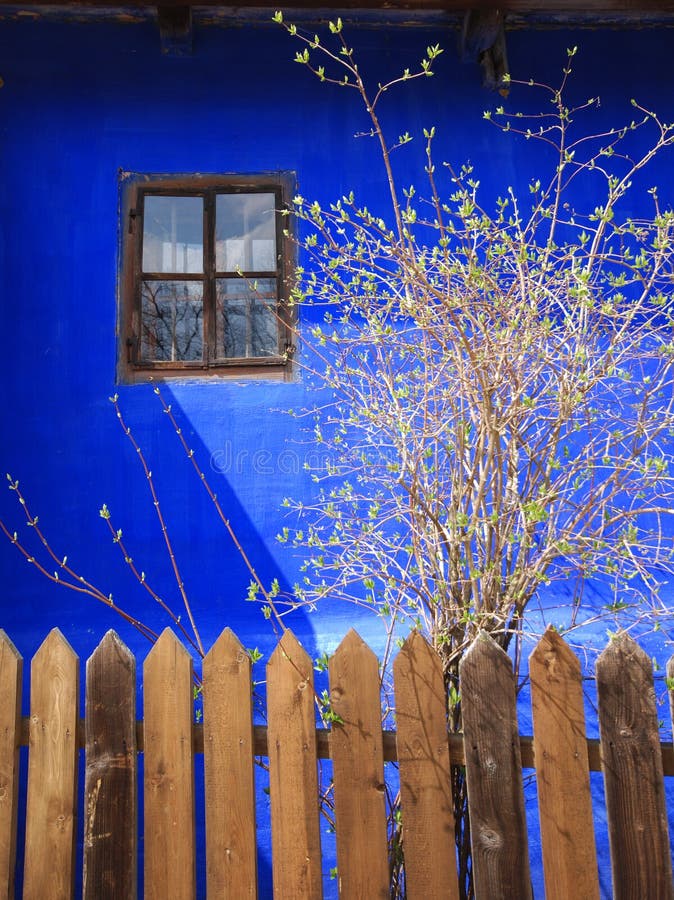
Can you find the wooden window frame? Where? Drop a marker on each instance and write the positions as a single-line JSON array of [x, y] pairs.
[[135, 188]]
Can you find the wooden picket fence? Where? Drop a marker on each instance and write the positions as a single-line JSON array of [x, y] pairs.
[[633, 760]]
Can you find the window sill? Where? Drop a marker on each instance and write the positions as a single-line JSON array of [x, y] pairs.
[[267, 370]]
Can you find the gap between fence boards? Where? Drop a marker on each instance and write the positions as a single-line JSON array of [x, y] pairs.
[[389, 745]]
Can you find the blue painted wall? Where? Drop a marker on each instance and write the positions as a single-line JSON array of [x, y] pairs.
[[81, 102]]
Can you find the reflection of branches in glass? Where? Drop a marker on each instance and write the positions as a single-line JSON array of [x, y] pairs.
[[172, 321], [247, 320]]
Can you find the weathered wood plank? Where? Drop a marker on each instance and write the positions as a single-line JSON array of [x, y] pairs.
[[231, 853], [11, 670], [52, 771], [110, 806], [358, 771], [170, 867], [562, 771], [633, 777], [175, 30], [494, 773], [455, 741], [425, 777], [293, 772]]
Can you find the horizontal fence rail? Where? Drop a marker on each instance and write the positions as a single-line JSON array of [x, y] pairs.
[[633, 760]]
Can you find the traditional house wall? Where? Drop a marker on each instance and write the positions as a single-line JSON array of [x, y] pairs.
[[84, 102]]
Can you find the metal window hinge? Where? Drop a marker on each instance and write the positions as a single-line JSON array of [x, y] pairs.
[[133, 214], [131, 344]]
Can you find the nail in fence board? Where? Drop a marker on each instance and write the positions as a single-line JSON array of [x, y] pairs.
[[110, 814], [494, 773], [11, 669], [358, 771], [170, 869], [52, 771], [231, 852], [562, 771], [293, 775], [633, 776], [425, 776]]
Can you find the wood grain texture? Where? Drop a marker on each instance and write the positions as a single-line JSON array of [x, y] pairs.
[[293, 773], [494, 773], [110, 805], [425, 778], [169, 772], [231, 852], [562, 771], [323, 737], [52, 771], [358, 771], [11, 671], [633, 777]]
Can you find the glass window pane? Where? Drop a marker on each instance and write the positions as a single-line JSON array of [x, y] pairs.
[[172, 321], [173, 234], [245, 232], [246, 319]]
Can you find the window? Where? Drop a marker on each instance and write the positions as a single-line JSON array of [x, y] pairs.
[[206, 266]]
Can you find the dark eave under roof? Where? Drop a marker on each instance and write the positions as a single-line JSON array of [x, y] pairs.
[[633, 10]]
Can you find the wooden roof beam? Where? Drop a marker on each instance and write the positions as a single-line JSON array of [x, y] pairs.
[[483, 40], [175, 30]]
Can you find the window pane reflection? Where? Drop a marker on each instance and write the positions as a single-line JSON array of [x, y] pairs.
[[246, 321], [245, 232], [172, 321], [173, 239]]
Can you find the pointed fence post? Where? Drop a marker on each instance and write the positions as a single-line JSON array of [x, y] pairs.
[[52, 771], [425, 775], [293, 772], [494, 772], [170, 865], [633, 775], [11, 669], [231, 851], [562, 771], [358, 771], [110, 813]]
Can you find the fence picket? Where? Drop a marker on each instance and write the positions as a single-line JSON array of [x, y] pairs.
[[425, 776], [52, 771], [11, 668], [110, 815], [170, 867], [633, 776], [494, 773], [358, 771], [562, 771], [231, 853], [632, 757], [293, 774]]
